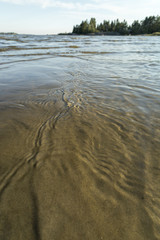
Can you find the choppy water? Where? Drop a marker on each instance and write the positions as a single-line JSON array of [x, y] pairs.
[[79, 137]]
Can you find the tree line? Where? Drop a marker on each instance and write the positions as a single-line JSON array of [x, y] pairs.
[[147, 26]]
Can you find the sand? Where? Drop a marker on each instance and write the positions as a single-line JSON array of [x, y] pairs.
[[71, 173]]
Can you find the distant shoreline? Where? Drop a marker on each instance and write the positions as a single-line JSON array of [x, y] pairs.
[[87, 34], [108, 34]]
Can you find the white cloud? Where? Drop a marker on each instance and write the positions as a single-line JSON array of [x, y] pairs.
[[76, 5], [127, 9]]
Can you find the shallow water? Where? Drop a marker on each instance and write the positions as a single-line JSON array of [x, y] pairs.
[[79, 137]]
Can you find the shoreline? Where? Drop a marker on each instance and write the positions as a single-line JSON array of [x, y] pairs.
[[87, 34], [107, 34]]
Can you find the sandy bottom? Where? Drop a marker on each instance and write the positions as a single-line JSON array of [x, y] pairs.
[[77, 173]]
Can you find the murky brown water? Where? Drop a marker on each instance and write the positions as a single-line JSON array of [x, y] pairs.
[[79, 137]]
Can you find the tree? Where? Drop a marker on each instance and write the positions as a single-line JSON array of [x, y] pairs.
[[147, 26], [84, 27], [92, 25], [123, 28], [135, 28]]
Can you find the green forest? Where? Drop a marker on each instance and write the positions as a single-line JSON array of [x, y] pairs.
[[149, 25]]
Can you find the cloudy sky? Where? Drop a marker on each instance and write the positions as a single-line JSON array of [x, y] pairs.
[[54, 16]]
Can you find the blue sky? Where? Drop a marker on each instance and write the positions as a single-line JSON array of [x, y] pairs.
[[54, 16]]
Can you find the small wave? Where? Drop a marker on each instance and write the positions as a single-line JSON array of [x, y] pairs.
[[74, 46], [94, 52], [12, 39], [10, 48]]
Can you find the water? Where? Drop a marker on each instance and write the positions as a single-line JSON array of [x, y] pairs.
[[80, 137]]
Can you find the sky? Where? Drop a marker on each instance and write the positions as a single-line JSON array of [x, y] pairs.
[[55, 16]]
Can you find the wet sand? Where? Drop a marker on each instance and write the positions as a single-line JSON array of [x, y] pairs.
[[71, 175]]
